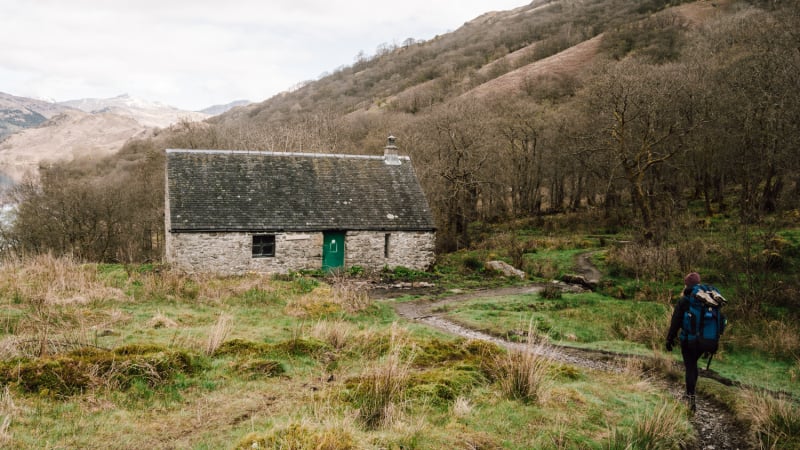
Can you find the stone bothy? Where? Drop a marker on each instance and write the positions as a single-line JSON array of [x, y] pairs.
[[232, 212]]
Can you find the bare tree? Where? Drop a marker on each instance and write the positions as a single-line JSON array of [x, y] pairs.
[[641, 119]]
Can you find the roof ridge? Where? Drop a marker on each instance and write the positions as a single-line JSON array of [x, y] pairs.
[[268, 153]]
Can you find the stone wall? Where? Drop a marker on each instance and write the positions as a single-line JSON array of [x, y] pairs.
[[231, 253], [367, 249]]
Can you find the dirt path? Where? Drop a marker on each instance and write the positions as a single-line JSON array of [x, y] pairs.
[[716, 428]]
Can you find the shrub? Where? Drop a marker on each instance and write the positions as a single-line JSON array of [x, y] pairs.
[[643, 261]]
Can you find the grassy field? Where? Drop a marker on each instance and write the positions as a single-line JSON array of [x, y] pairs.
[[599, 322], [93, 356], [137, 357]]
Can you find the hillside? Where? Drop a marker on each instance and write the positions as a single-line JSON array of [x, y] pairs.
[[33, 131], [431, 72], [552, 107], [70, 135], [18, 113], [148, 114]]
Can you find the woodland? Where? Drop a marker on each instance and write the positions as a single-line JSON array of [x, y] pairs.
[[622, 113]]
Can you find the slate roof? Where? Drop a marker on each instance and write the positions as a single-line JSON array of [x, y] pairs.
[[227, 190]]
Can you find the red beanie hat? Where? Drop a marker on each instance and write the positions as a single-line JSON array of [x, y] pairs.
[[692, 279]]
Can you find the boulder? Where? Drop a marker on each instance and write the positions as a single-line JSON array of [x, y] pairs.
[[505, 268]]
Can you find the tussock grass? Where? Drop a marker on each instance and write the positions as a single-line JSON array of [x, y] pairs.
[[380, 389], [301, 435], [325, 300], [45, 280], [524, 373], [774, 422], [80, 371], [663, 427], [462, 407], [352, 298], [338, 334], [638, 261], [218, 333], [7, 411], [645, 329], [159, 320], [775, 337]]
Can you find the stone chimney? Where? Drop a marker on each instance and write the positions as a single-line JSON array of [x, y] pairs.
[[390, 156]]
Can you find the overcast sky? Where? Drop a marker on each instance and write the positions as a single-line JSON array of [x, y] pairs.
[[196, 53]]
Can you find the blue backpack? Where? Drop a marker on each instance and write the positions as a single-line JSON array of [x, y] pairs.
[[703, 322]]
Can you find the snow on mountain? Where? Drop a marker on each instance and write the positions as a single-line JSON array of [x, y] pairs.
[[147, 113]]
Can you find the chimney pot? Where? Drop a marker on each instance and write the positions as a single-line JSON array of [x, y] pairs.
[[390, 156]]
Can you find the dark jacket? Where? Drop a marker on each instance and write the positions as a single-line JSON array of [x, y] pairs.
[[677, 315]]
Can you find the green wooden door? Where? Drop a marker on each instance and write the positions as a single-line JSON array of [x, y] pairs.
[[332, 250]]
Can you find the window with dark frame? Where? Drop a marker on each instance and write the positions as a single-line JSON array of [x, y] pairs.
[[386, 238], [263, 245]]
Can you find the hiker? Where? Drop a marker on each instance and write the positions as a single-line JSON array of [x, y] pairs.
[[693, 346]]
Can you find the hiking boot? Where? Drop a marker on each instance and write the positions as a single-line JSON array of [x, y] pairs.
[[690, 402]]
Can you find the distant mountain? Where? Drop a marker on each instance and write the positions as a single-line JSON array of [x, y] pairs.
[[34, 131], [149, 114], [219, 109], [19, 113], [69, 135]]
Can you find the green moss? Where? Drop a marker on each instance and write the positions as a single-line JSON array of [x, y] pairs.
[[299, 436], [443, 385], [241, 347], [302, 347], [258, 368], [79, 371]]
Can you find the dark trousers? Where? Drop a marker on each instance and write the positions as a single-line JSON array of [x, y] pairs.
[[690, 357]]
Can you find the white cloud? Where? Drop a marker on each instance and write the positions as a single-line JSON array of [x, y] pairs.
[[193, 54]]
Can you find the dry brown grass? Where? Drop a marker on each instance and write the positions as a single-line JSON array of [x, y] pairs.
[[326, 300], [523, 373], [643, 329], [7, 411], [663, 427], [776, 337], [658, 362], [654, 263], [50, 302], [462, 407], [337, 334], [569, 61], [159, 320], [774, 422], [218, 333], [352, 298], [381, 388]]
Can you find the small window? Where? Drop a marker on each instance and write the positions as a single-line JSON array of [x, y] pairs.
[[386, 238], [263, 245]]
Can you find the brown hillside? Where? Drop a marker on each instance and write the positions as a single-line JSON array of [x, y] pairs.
[[570, 62], [72, 134]]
